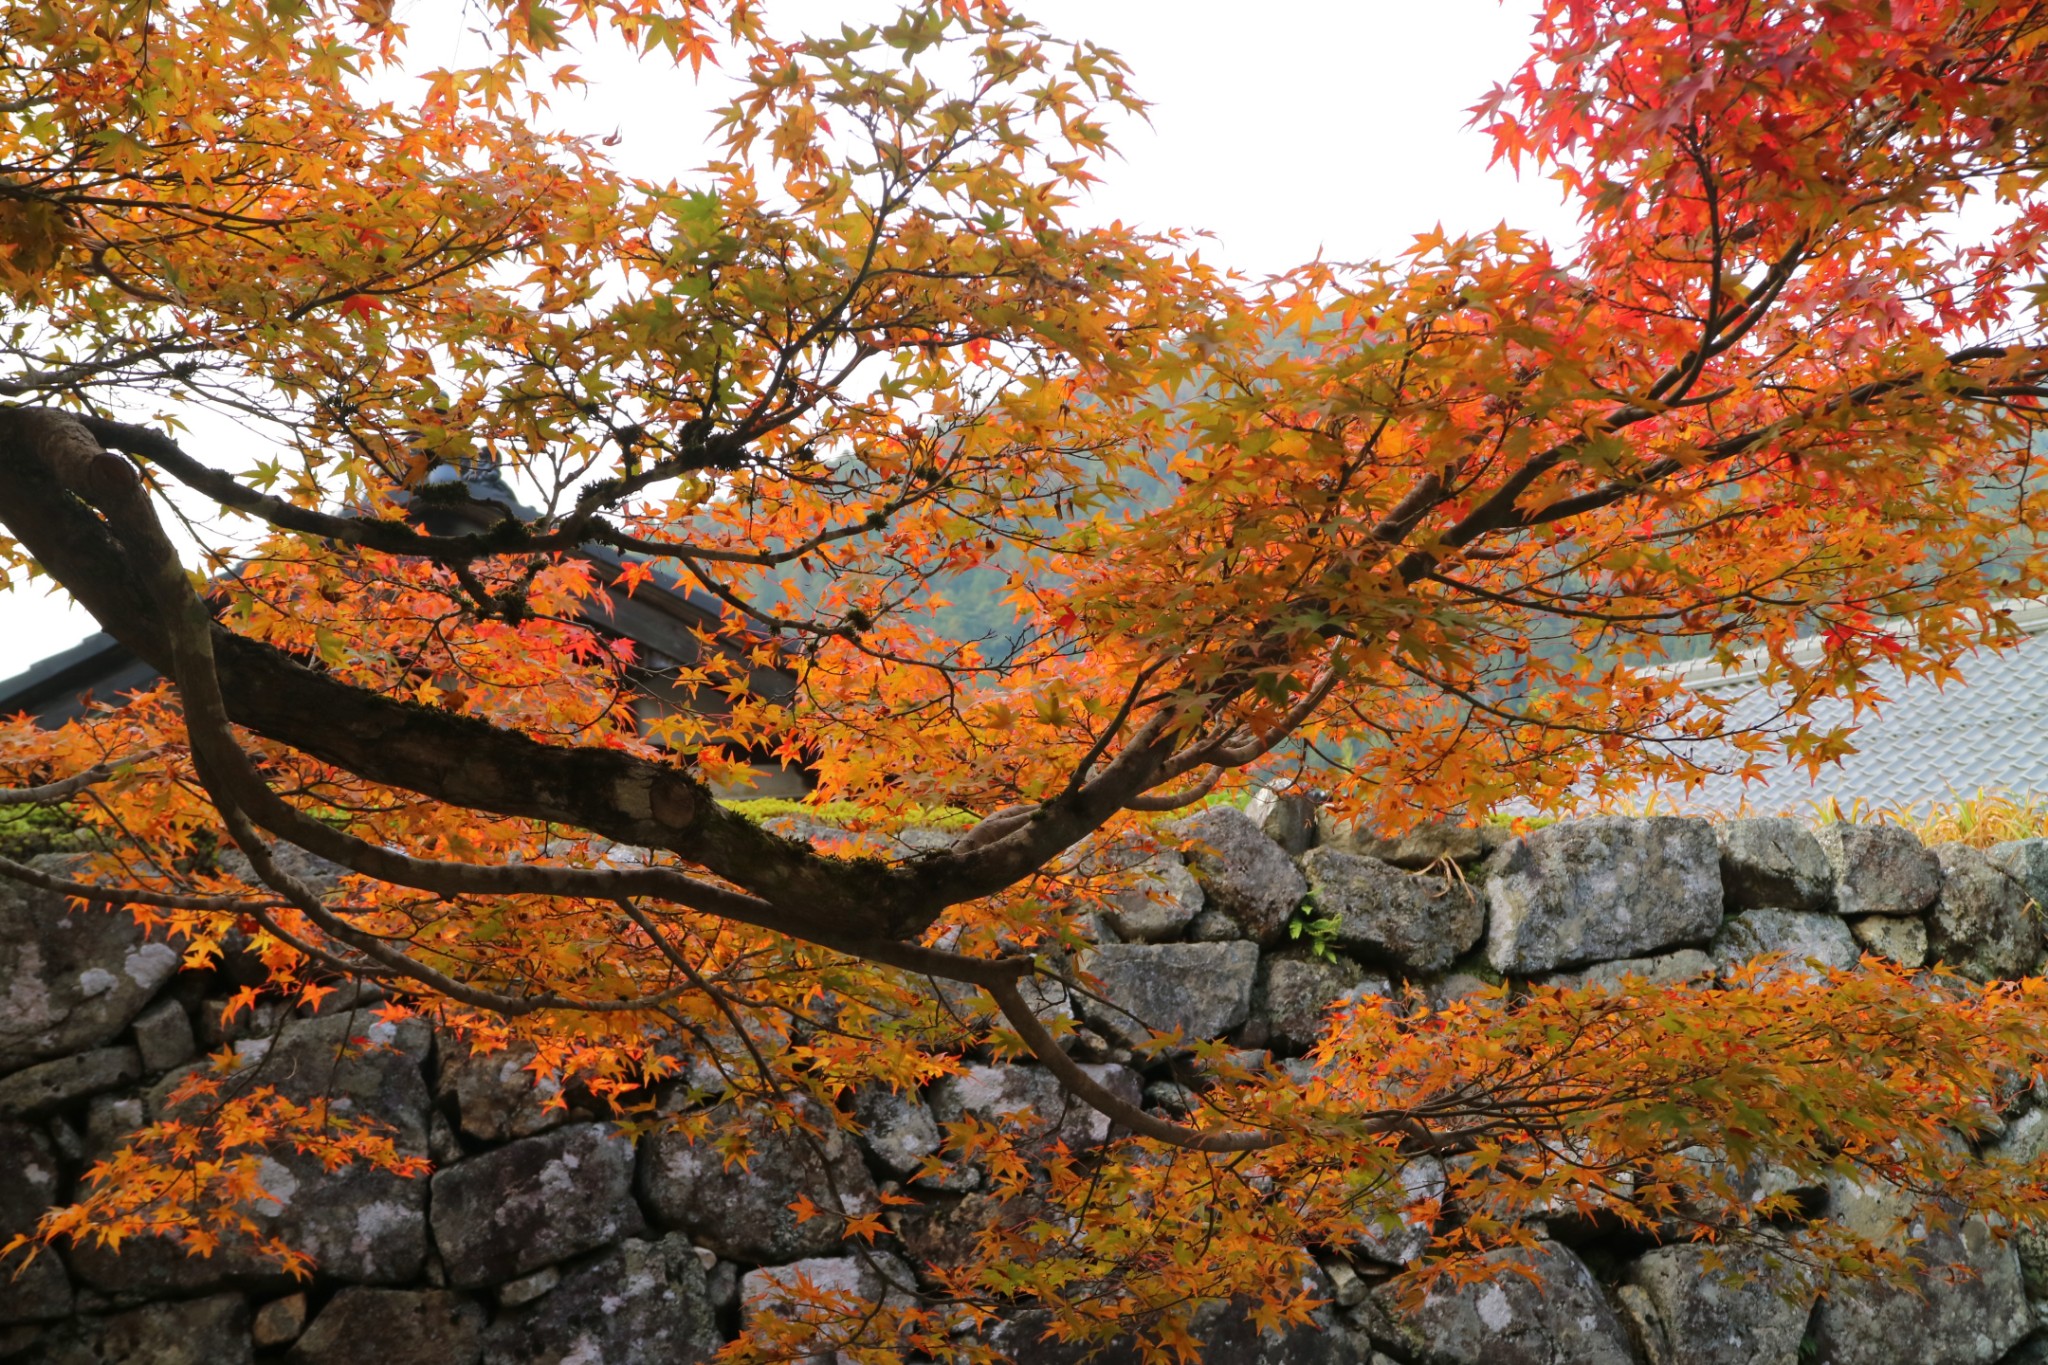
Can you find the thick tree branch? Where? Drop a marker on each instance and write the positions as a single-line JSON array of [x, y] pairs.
[[72, 785]]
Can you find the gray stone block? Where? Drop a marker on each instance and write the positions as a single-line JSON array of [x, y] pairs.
[[1534, 1307], [495, 1096], [1982, 923], [1773, 864], [163, 1035], [70, 980], [533, 1203], [740, 1206], [1414, 921], [1972, 1308], [1243, 873], [1879, 869], [1157, 905], [1898, 939], [359, 1224], [1287, 818], [1593, 890], [1031, 1099], [1665, 969], [1224, 1334], [1294, 993], [1725, 1305], [64, 1081], [856, 1283], [393, 1327], [29, 1183], [897, 1130], [1808, 942], [646, 1301], [1199, 990], [279, 1322], [1426, 845], [208, 1331], [2027, 861], [1390, 1226]]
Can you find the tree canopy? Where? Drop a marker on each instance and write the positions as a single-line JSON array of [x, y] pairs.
[[1410, 531]]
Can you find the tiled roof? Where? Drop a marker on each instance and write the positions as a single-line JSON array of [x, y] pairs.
[[1928, 744]]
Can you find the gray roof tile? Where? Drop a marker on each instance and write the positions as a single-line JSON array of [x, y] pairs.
[[1929, 744]]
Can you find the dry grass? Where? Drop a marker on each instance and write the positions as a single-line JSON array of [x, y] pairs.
[[1981, 820], [1987, 818]]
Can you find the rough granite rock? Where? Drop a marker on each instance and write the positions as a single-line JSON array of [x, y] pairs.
[[2027, 861], [1010, 1092], [1773, 864], [1981, 924], [357, 1224], [1200, 990], [1666, 969], [1444, 991], [1756, 1180], [1592, 890], [279, 1322], [69, 979], [1224, 1332], [494, 1095], [524, 1290], [1879, 869], [951, 1003], [897, 1129], [158, 1267], [1213, 926], [359, 1063], [109, 1119], [1294, 992], [393, 1327], [258, 1023], [163, 1036], [317, 872], [1898, 939], [1639, 1319], [1334, 833], [1969, 1318], [29, 1182], [209, 1331], [1424, 846], [1390, 1229], [1243, 873], [533, 1203], [1751, 1309], [1162, 897], [1416, 922], [1809, 941], [360, 1225], [924, 839], [2024, 1141], [945, 1233], [63, 1081], [859, 1282], [644, 1303], [1287, 818], [1558, 1318], [741, 1209]]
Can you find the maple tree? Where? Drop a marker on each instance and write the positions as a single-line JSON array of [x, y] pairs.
[[1418, 528]]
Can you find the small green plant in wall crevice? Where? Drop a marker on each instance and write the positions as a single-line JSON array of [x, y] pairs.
[[1318, 931]]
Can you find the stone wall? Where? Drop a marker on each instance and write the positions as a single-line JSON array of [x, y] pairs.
[[545, 1234]]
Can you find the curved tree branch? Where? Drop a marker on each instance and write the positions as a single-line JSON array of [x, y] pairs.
[[52, 477]]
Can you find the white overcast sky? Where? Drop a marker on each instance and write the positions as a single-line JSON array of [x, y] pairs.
[[1296, 127]]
